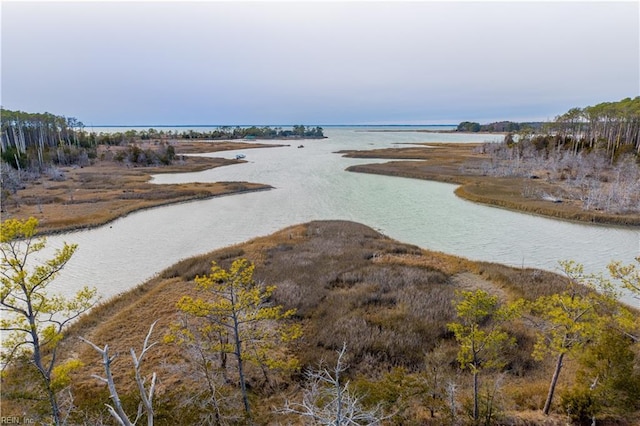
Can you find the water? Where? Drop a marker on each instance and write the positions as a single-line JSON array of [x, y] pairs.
[[207, 128], [311, 183]]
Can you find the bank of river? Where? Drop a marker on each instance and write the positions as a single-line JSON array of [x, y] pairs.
[[464, 165], [73, 198], [311, 183]]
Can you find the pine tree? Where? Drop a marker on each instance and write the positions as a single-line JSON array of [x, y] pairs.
[[235, 308], [32, 319], [480, 335]]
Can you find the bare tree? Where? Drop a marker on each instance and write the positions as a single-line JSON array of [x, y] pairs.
[[437, 379], [146, 404], [329, 401], [452, 389]]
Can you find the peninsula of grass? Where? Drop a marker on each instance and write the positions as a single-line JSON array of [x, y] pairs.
[[387, 301], [462, 164], [83, 197]]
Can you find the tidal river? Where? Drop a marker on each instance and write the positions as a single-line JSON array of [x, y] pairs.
[[311, 183]]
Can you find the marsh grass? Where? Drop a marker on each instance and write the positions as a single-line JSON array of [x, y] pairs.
[[507, 193], [526, 283], [464, 164], [106, 190], [389, 302]]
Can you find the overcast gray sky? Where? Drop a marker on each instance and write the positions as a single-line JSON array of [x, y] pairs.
[[343, 62]]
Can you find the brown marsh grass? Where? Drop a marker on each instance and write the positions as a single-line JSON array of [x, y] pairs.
[[388, 301], [106, 190], [462, 164]]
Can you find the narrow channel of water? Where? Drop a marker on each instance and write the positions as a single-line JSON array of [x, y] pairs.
[[311, 183]]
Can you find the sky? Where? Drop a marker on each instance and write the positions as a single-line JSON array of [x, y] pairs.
[[316, 63]]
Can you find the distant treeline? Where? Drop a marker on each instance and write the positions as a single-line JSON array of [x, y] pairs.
[[220, 133], [613, 127], [226, 132], [498, 127], [36, 140]]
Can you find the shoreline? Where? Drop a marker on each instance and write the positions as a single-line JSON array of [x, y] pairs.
[[342, 270], [81, 198], [96, 195], [455, 163], [86, 227]]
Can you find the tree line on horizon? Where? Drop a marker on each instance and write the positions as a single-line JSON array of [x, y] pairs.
[[610, 126], [498, 126], [254, 132], [39, 140], [37, 144]]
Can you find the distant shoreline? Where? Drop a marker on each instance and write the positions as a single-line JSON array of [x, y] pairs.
[[147, 126]]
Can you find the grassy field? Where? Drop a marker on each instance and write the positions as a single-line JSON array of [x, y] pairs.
[[389, 303], [82, 197], [462, 164]]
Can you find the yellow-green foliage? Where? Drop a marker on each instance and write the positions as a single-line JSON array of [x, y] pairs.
[[32, 319], [570, 319], [478, 330], [394, 391], [629, 275], [28, 308], [589, 324], [480, 335], [233, 302], [572, 323], [60, 375], [233, 315], [609, 370]]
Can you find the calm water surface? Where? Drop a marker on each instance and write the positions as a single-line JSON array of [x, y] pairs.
[[310, 183]]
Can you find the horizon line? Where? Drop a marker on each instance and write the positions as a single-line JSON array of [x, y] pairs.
[[265, 125]]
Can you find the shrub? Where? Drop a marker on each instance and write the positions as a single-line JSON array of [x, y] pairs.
[[14, 158], [580, 405], [529, 396]]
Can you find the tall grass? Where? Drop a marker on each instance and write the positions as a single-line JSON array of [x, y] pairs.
[[389, 302]]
